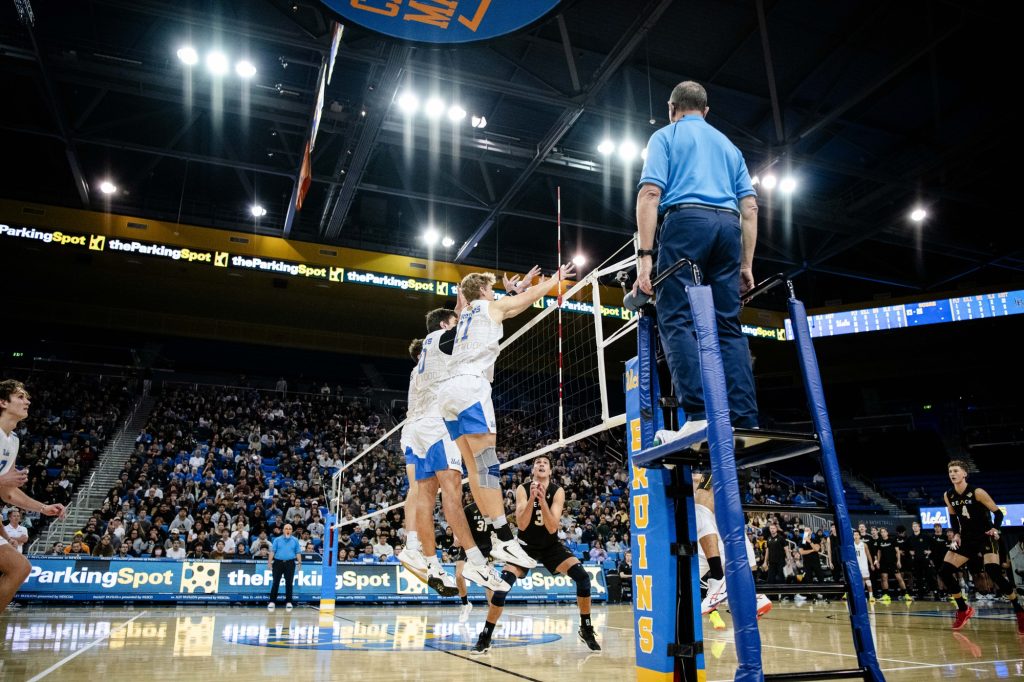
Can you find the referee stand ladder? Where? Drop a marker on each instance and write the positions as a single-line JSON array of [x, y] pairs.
[[666, 591]]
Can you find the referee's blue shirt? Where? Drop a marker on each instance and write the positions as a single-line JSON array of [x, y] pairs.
[[284, 548], [693, 163]]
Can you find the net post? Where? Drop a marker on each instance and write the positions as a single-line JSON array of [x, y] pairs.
[[329, 566], [728, 512], [602, 378], [857, 602]]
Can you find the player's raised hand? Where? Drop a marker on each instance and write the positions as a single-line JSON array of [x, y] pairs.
[[530, 276], [567, 271]]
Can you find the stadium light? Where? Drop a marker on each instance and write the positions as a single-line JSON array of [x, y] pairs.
[[755, 181], [434, 108], [769, 181], [188, 55], [456, 113], [628, 151], [408, 103], [918, 214], [606, 147], [579, 260], [217, 63], [257, 211], [447, 242], [787, 185], [107, 187], [245, 69], [431, 236], [478, 122]]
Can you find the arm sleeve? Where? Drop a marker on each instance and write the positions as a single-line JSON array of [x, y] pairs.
[[447, 342], [655, 170], [997, 518], [954, 522]]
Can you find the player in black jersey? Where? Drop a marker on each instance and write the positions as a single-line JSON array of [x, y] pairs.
[[496, 600], [889, 562], [977, 533]]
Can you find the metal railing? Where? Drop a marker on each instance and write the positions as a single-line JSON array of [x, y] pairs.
[[58, 528]]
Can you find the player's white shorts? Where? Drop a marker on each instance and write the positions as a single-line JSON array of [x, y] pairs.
[[706, 525], [862, 564], [466, 406], [431, 448]]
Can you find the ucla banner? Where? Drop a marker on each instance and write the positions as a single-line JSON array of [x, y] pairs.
[[442, 21], [160, 580], [1013, 515]]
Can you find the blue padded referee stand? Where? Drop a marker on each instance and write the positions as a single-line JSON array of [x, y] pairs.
[[681, 657]]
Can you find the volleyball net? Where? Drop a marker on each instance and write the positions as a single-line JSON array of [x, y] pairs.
[[545, 398]]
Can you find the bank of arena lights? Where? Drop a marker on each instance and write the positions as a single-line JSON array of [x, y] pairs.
[[627, 150], [217, 62], [434, 108]]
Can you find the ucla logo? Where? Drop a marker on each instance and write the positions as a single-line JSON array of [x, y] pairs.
[[632, 380]]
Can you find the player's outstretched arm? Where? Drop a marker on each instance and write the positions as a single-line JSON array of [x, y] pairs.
[[19, 499], [510, 306]]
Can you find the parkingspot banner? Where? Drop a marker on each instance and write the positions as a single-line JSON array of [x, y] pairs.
[[161, 580]]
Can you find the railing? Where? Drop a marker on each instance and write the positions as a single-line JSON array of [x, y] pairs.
[[58, 528]]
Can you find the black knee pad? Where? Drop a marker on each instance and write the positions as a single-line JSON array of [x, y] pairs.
[[948, 574], [498, 598], [580, 576]]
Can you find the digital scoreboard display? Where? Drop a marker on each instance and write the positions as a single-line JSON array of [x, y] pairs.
[[959, 309]]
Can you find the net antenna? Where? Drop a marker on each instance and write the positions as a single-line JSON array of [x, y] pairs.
[[558, 262], [557, 356]]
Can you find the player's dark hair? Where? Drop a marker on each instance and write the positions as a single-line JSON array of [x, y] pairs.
[[415, 348], [9, 387], [437, 316]]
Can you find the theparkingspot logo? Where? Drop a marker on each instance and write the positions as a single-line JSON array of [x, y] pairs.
[[283, 267], [389, 281], [160, 251], [545, 581], [103, 578], [59, 238]]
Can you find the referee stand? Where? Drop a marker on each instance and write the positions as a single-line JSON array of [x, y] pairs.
[[666, 601]]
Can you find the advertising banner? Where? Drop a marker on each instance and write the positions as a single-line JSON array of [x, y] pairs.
[[1013, 515], [160, 580]]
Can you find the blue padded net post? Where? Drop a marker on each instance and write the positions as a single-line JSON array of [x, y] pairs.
[[857, 603], [728, 509]]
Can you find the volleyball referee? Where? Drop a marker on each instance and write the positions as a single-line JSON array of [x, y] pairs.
[[284, 557]]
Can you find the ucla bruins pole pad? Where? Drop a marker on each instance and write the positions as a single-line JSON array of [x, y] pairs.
[[728, 510]]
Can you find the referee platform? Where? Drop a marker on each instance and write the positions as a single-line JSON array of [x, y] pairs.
[[666, 594]]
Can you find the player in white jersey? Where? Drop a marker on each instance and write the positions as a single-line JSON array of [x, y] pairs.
[[710, 551], [864, 561], [438, 464], [14, 567], [465, 399]]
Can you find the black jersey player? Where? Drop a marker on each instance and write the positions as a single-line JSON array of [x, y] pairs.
[[537, 516], [971, 511]]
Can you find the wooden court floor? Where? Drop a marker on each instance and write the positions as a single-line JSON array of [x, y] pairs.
[[101, 644]]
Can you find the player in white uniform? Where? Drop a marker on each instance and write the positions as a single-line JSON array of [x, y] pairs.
[[14, 567], [864, 563], [466, 398], [438, 464], [710, 551]]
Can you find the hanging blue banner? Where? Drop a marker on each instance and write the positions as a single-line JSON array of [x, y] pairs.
[[442, 21]]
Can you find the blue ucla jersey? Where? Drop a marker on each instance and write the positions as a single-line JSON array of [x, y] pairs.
[[476, 342]]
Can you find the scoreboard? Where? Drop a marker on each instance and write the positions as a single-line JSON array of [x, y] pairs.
[[959, 309]]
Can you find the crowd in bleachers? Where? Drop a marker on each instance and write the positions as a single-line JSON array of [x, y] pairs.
[[71, 419]]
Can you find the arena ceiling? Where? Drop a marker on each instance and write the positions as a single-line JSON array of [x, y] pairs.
[[874, 107]]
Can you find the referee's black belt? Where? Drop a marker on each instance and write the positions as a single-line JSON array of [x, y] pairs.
[[704, 207]]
